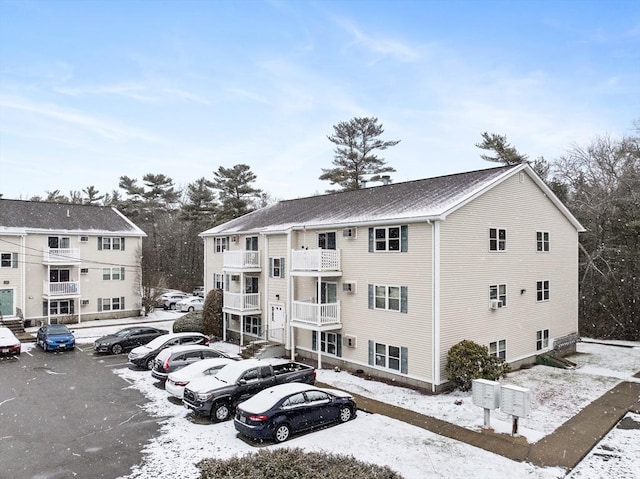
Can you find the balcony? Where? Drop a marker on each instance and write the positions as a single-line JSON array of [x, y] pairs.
[[315, 261], [67, 288], [316, 315], [61, 256], [241, 301], [241, 260]]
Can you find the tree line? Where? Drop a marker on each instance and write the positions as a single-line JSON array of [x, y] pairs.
[[598, 182]]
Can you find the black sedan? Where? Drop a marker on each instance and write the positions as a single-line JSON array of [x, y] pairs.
[[277, 412], [127, 339]]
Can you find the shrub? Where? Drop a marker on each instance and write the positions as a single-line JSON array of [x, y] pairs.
[[292, 464], [189, 322], [467, 361], [212, 313]]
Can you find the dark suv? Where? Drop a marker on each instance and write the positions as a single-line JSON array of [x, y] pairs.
[[175, 358], [143, 356]]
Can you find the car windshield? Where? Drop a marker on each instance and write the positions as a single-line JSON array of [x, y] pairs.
[[58, 329], [156, 343], [123, 332]]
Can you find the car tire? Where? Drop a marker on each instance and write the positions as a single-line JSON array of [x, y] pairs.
[[191, 309], [116, 349], [44, 345], [172, 306], [221, 411], [282, 433], [149, 364], [346, 414]]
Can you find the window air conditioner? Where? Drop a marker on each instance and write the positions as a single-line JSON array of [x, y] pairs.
[[348, 287], [234, 239], [235, 277], [349, 233], [350, 341], [85, 302], [495, 304]]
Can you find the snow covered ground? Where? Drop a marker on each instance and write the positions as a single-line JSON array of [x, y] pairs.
[[415, 453]]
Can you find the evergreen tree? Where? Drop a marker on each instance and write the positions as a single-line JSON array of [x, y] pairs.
[[503, 151], [236, 194]]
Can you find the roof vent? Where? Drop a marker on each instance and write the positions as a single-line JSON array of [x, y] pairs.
[[386, 179], [68, 215]]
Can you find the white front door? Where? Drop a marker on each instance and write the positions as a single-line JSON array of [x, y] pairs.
[[277, 318]]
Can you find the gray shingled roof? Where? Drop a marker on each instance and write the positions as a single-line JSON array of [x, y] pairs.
[[419, 199], [17, 215]]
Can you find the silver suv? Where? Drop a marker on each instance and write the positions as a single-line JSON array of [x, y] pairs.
[[172, 359]]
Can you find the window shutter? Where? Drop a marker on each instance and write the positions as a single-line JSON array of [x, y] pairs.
[[226, 282], [371, 350], [270, 267], [99, 304], [121, 302], [403, 299], [14, 260], [314, 340], [282, 275], [122, 274], [370, 296], [370, 240], [99, 243], [339, 345], [44, 308], [72, 308], [122, 244], [404, 360], [404, 238]]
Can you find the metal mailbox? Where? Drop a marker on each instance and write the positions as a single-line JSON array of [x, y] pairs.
[[515, 400], [485, 393]]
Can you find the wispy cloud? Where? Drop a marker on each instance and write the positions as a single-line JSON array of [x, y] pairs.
[[135, 91], [249, 95]]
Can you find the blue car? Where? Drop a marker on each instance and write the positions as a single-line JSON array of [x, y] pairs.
[[55, 337], [277, 412]]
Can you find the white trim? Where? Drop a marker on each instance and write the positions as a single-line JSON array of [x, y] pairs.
[[435, 303]]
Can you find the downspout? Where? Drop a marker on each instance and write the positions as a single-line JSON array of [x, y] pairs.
[[319, 319], [435, 303], [289, 336], [23, 276]]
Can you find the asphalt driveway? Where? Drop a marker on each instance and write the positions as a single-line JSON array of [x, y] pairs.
[[65, 414]]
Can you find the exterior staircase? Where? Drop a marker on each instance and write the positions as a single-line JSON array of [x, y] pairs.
[[16, 326], [261, 349]]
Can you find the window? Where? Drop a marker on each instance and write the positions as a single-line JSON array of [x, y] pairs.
[[542, 241], [542, 291], [113, 274], [218, 281], [387, 239], [84, 270], [498, 349], [498, 292], [327, 240], [391, 298], [251, 284], [9, 260], [251, 243], [57, 242], [497, 239], [252, 325], [276, 269], [388, 356], [221, 244], [84, 239], [317, 396], [542, 339], [330, 343], [111, 304], [295, 400], [58, 307], [110, 243]]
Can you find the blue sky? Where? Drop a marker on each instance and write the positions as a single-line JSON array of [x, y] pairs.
[[94, 90]]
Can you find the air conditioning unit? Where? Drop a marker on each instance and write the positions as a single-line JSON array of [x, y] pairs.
[[84, 270], [495, 304], [349, 233], [84, 239], [234, 239], [350, 341], [349, 287], [85, 302], [235, 277]]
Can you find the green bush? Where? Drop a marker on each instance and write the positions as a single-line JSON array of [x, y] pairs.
[[467, 361], [189, 322], [212, 313], [292, 464]]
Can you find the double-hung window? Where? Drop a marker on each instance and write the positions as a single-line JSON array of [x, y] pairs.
[[390, 298], [498, 292], [497, 239], [276, 267], [542, 339], [330, 343], [111, 243], [542, 241], [498, 349], [218, 281], [389, 356], [221, 244], [389, 238], [111, 304], [9, 260], [542, 290], [113, 274], [252, 325]]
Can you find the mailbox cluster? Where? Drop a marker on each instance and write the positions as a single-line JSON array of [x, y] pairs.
[[512, 400]]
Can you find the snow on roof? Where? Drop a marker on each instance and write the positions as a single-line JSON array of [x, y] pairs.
[[267, 398]]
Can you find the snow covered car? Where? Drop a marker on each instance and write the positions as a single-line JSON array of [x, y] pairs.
[[177, 381], [190, 304], [143, 356], [126, 339], [175, 358], [54, 337], [277, 412], [9, 344]]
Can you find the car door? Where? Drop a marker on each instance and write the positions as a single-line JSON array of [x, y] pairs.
[[295, 409], [145, 335], [130, 340], [249, 384], [319, 409]]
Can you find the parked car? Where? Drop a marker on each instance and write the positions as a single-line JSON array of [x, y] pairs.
[[192, 303], [9, 344], [126, 339], [177, 357], [54, 337], [198, 291], [218, 396], [143, 356], [166, 295], [277, 412], [177, 381], [169, 301]]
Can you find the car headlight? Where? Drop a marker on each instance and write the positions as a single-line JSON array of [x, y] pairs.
[[205, 396], [49, 341]]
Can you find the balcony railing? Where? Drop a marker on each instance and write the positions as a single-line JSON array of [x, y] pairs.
[[61, 255], [322, 314], [67, 288], [315, 260], [241, 259], [242, 301]]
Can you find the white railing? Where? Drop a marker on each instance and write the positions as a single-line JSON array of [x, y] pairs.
[[66, 288], [61, 255], [315, 260], [242, 301], [316, 314], [241, 259]]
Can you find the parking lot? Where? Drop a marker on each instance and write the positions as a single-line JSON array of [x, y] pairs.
[[65, 414]]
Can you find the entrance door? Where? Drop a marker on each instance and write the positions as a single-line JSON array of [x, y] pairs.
[[6, 302], [277, 318]]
